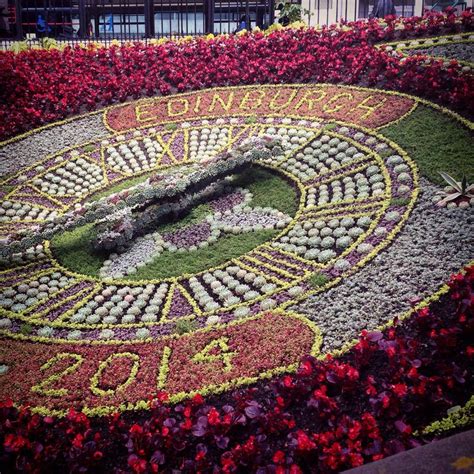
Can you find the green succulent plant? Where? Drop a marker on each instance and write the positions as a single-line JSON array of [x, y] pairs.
[[185, 326], [455, 189]]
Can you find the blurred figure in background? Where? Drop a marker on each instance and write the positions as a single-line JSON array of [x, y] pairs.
[[244, 24], [42, 27], [382, 8], [4, 31]]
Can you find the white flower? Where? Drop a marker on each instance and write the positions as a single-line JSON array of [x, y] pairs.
[[45, 331], [267, 304], [342, 264], [404, 177], [365, 248], [143, 333], [106, 334], [392, 216], [213, 320], [326, 255], [5, 323], [241, 312]]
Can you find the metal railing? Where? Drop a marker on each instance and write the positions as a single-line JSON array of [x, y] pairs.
[[73, 21], [442, 4], [125, 20]]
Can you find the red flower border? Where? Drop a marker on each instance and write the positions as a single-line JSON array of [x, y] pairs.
[[41, 86]]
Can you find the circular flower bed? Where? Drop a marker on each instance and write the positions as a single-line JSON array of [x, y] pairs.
[[248, 275]]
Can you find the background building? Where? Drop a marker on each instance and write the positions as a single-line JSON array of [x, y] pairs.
[[324, 12]]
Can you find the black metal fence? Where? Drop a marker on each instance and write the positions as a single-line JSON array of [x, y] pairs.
[[105, 20], [124, 20]]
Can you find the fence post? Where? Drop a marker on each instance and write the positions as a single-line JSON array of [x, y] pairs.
[[95, 13], [83, 26], [209, 14], [271, 7], [419, 7], [149, 19], [19, 28]]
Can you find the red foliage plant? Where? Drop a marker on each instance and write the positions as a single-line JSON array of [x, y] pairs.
[[329, 416], [40, 86]]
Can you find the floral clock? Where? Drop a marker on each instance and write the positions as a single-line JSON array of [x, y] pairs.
[[154, 316]]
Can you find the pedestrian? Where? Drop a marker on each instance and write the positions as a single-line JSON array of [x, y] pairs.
[[4, 29], [383, 8], [244, 24], [42, 27]]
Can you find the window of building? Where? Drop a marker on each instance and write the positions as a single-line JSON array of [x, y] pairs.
[[167, 23]]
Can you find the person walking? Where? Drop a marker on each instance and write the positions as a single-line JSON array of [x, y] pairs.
[[42, 27], [244, 24], [383, 8], [4, 29]]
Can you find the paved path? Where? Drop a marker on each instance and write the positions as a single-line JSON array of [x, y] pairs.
[[453, 455]]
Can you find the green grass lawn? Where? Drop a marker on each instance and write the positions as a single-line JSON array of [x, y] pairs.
[[269, 190], [74, 249], [227, 247], [436, 142]]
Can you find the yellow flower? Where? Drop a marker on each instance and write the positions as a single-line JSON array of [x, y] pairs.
[[296, 25], [274, 27]]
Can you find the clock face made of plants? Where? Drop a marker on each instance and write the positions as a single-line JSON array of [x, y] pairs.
[[201, 302]]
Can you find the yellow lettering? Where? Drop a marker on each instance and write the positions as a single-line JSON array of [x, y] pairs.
[[308, 100], [145, 112], [370, 108], [217, 99], [274, 106], [224, 354], [172, 112], [332, 100], [198, 105], [95, 381], [256, 102], [164, 368], [43, 387]]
